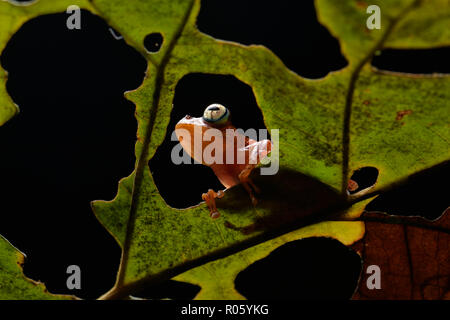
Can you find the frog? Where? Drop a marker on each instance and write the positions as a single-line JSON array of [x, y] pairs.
[[246, 153]]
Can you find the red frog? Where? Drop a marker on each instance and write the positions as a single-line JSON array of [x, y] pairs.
[[230, 154]]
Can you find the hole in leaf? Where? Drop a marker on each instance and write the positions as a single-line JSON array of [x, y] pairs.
[[22, 1], [425, 194], [362, 178], [182, 185], [289, 28], [153, 42], [171, 289], [71, 143], [312, 268], [420, 61]]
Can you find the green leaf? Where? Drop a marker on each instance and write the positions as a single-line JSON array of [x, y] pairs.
[[336, 125], [13, 284], [216, 278], [404, 24], [398, 133]]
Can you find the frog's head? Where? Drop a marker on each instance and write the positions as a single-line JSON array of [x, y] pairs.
[[215, 116]]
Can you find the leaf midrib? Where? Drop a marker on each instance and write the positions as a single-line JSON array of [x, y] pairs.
[[142, 160], [351, 89]]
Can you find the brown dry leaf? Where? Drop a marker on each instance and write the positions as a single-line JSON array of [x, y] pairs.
[[413, 256]]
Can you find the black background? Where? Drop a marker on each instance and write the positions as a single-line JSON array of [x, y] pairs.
[[74, 139]]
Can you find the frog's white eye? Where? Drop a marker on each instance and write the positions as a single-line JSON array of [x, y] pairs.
[[216, 113]]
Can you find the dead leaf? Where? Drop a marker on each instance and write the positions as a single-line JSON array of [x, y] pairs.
[[412, 254]]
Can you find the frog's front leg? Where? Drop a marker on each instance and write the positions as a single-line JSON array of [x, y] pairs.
[[244, 178], [210, 199]]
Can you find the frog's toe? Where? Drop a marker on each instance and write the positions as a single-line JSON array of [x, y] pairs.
[[210, 199], [214, 215]]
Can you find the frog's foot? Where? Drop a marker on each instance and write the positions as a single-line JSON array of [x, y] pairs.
[[210, 199], [247, 182]]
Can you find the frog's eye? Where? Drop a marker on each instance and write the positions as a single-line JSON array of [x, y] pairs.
[[216, 113]]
